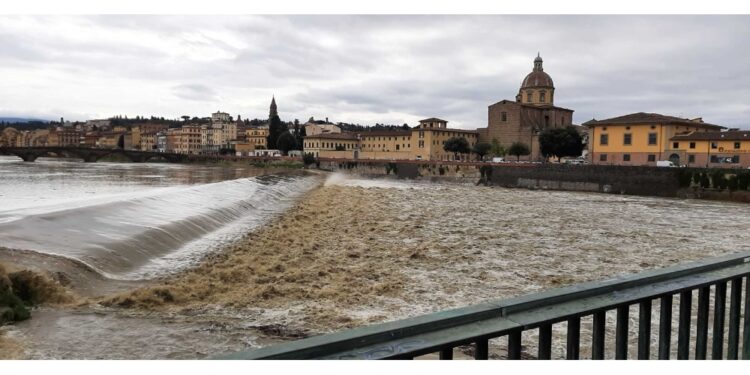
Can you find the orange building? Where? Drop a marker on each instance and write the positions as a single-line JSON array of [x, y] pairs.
[[641, 138], [727, 149]]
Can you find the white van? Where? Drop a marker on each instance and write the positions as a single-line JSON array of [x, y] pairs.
[[497, 160], [665, 163]]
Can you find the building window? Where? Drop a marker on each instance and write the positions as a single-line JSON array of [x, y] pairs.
[[602, 157], [528, 96], [626, 157], [691, 158], [504, 116], [675, 145], [652, 158], [714, 145], [541, 96], [604, 139], [736, 145], [651, 138], [692, 144], [627, 139]]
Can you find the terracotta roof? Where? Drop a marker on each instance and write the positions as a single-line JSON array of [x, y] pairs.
[[432, 119], [735, 135], [386, 133], [545, 107], [537, 78], [351, 136], [449, 130], [649, 118]]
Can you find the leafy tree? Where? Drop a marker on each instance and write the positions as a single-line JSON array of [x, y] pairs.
[[705, 181], [560, 142], [308, 158], [286, 142], [457, 145], [732, 183], [719, 180], [275, 129], [743, 180], [497, 148], [481, 149], [519, 149], [299, 134]]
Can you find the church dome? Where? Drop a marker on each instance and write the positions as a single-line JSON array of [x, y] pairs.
[[537, 78]]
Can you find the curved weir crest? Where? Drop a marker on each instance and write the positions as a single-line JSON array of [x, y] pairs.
[[146, 234]]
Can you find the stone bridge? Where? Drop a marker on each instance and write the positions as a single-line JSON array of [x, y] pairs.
[[91, 155]]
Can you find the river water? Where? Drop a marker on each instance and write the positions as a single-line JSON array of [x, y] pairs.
[[444, 245], [131, 221]]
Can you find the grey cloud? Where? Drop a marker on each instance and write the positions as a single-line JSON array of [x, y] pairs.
[[196, 92], [418, 66]]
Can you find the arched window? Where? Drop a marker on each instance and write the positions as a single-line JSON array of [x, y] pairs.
[[529, 95], [542, 96]]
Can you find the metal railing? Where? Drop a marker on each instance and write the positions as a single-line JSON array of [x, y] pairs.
[[444, 331]]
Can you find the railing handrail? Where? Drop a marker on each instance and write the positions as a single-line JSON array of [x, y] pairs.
[[507, 314]]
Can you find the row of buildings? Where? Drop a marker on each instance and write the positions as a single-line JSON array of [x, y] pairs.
[[220, 133], [633, 139], [508, 122]]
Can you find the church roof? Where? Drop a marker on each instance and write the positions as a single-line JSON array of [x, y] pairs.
[[537, 78]]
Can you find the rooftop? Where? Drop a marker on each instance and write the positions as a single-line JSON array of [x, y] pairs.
[[351, 136], [650, 118], [387, 133], [735, 135], [432, 119]]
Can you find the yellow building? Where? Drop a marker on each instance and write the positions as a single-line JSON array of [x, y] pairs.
[[640, 138], [189, 140], [423, 142], [332, 145], [257, 136], [727, 149], [429, 137]]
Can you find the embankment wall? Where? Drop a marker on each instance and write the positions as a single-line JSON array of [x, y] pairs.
[[648, 181]]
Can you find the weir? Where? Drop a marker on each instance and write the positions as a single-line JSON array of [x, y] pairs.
[[143, 234], [707, 282]]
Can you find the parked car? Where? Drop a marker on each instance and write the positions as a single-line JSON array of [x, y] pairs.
[[665, 163], [497, 160]]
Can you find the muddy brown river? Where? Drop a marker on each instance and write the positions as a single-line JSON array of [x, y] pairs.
[[386, 250]]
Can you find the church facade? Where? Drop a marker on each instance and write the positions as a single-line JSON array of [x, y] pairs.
[[532, 111]]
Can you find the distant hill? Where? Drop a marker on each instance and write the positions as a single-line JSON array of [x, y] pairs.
[[14, 120], [22, 123]]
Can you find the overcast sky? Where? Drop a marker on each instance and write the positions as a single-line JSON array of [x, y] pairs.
[[372, 69]]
